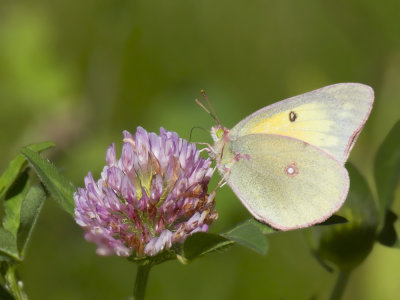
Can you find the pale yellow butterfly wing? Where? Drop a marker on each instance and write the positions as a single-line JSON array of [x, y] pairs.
[[330, 118], [283, 181]]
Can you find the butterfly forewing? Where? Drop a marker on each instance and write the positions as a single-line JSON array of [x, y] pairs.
[[329, 118], [285, 182]]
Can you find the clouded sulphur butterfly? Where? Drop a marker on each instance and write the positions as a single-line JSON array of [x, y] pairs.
[[285, 162]]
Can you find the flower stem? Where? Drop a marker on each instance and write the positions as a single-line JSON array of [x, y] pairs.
[[13, 285], [141, 281], [340, 285]]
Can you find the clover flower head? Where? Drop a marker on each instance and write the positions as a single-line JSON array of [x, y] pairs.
[[154, 196]]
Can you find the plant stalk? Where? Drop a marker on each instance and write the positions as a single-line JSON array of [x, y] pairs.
[[142, 275], [13, 285], [340, 285]]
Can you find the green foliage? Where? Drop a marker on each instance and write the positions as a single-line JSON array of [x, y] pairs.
[[17, 165], [30, 210], [248, 235], [13, 203], [20, 222], [334, 219], [8, 246], [387, 168], [347, 245], [201, 243], [264, 228], [22, 203], [388, 235], [58, 186], [387, 178]]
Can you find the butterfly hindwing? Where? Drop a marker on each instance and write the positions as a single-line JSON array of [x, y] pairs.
[[284, 182]]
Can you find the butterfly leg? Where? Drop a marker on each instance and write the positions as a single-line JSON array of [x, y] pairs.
[[205, 149], [222, 182], [209, 149], [227, 170]]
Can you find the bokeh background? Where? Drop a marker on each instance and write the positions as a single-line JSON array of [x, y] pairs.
[[80, 72]]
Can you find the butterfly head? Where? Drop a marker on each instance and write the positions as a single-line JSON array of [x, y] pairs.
[[219, 133], [220, 136]]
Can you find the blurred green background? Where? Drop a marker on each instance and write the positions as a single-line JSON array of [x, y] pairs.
[[80, 72]]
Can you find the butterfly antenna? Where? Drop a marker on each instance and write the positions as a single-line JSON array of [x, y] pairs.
[[213, 113], [207, 111], [196, 127], [202, 106]]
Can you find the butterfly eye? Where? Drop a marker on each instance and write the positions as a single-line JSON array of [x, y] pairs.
[[219, 133], [292, 116]]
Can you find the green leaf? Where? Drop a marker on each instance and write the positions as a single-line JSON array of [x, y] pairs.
[[8, 244], [13, 202], [17, 165], [31, 207], [347, 245], [387, 169], [388, 235], [249, 235], [360, 207], [201, 243], [334, 219], [58, 186], [264, 228]]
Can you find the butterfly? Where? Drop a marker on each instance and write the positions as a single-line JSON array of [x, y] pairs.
[[285, 162]]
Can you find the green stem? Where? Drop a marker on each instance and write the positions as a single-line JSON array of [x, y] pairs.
[[13, 285], [142, 275], [340, 285]]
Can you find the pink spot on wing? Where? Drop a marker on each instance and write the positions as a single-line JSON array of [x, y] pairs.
[[240, 156]]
